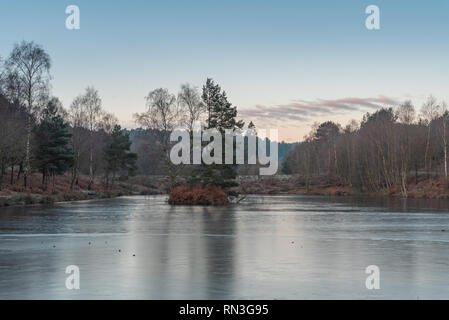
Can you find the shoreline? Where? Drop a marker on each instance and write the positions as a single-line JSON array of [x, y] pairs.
[[18, 201], [31, 199], [16, 195], [294, 184], [248, 185]]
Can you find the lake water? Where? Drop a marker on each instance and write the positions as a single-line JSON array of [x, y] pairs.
[[267, 247]]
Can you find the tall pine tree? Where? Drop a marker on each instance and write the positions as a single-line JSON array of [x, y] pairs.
[[221, 115], [118, 156]]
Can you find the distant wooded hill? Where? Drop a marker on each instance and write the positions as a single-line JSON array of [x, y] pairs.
[[140, 137]]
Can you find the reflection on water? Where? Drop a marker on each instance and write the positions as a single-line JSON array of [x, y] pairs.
[[268, 247]]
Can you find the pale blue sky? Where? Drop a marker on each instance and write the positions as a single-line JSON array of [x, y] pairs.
[[267, 55]]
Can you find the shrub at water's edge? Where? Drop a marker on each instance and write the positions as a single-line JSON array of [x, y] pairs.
[[189, 195]]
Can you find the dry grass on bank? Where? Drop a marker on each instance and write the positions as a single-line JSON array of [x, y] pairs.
[[208, 195], [59, 190], [433, 188]]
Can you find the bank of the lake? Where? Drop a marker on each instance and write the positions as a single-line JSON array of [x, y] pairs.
[[16, 195], [423, 188], [60, 189]]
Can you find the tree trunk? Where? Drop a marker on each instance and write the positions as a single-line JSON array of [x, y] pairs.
[[20, 171], [427, 152], [445, 153], [27, 152], [335, 159], [12, 175], [91, 171], [43, 179], [75, 172], [1, 176], [113, 178], [72, 182], [416, 172], [404, 182]]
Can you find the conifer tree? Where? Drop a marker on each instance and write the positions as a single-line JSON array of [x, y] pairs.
[[118, 156], [53, 153], [221, 116]]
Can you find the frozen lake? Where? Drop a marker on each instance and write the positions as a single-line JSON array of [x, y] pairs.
[[267, 247]]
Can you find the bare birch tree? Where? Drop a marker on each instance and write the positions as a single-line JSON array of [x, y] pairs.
[[162, 115], [430, 112], [190, 102], [78, 121], [406, 112], [29, 67], [92, 106]]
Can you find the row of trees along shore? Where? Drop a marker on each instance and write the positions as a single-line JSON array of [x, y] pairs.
[[38, 135], [389, 148]]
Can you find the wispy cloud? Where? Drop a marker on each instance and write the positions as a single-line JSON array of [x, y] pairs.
[[305, 111]]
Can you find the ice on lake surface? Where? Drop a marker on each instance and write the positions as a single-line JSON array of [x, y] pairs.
[[266, 247]]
